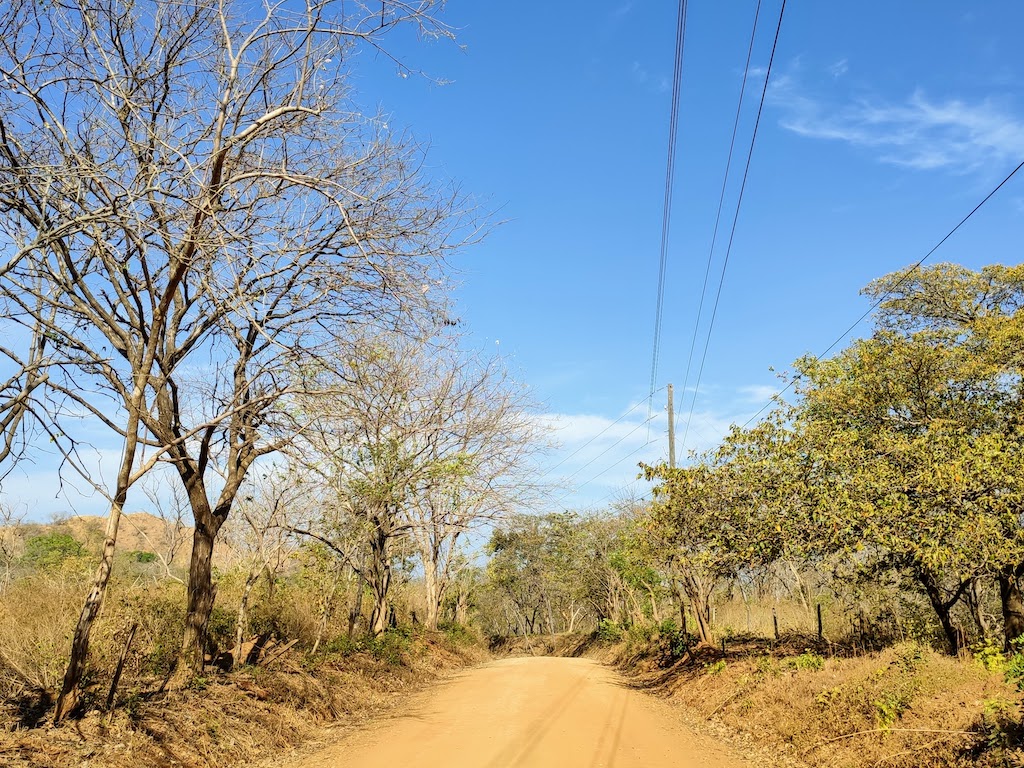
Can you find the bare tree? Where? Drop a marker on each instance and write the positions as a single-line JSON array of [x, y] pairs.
[[10, 542], [482, 440], [195, 212], [264, 534], [171, 507], [420, 445]]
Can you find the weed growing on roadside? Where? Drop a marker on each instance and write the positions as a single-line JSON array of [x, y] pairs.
[[715, 667]]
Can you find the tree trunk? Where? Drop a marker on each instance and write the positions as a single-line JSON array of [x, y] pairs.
[[700, 607], [380, 579], [655, 613], [356, 610], [462, 608], [326, 609], [201, 595], [941, 607], [242, 619], [974, 604], [94, 600], [432, 593], [1012, 604]]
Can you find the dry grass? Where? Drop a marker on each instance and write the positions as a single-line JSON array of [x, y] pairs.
[[902, 707], [241, 718]]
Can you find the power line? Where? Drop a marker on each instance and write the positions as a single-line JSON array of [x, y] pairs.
[[721, 197], [602, 472], [666, 213], [599, 434], [735, 220], [642, 424], [903, 278]]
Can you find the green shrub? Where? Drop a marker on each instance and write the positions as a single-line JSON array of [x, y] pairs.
[[807, 661], [715, 668], [989, 655], [50, 550], [457, 634], [391, 645], [608, 630], [1015, 671]]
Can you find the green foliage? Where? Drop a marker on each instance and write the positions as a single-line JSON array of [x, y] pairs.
[[1014, 672], [142, 557], [391, 645], [51, 550], [808, 661], [890, 707], [902, 453], [608, 631], [715, 668], [998, 723], [990, 656], [458, 634]]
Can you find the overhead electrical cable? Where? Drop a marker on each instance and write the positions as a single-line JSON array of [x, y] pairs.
[[643, 423], [878, 302], [721, 197], [735, 220], [598, 435], [602, 472], [666, 213]]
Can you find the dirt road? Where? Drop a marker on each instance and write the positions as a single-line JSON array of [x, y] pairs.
[[528, 713]]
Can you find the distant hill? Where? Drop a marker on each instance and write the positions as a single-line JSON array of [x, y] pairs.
[[138, 532]]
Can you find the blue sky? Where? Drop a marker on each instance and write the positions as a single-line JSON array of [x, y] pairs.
[[884, 124]]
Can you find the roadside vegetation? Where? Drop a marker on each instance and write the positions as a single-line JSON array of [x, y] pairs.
[[841, 578], [220, 269]]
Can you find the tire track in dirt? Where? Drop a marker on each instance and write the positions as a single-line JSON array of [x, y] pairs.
[[537, 712]]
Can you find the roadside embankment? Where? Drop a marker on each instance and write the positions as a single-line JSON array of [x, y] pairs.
[[242, 717], [906, 706]]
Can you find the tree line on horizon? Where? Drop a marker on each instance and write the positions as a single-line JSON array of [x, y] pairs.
[[892, 477]]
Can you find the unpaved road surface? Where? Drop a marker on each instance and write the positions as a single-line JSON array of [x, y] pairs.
[[528, 713]]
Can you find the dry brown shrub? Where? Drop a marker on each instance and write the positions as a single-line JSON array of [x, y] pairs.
[[242, 718], [904, 707], [35, 633]]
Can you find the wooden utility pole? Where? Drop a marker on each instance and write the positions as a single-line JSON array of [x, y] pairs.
[[671, 430]]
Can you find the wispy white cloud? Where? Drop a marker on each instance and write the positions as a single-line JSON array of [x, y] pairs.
[[839, 69], [643, 77], [758, 393], [640, 74], [598, 455], [919, 132]]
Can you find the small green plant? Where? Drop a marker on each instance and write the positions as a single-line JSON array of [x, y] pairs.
[[1014, 672], [391, 645], [608, 630], [996, 722], [828, 697], [989, 655], [890, 707], [715, 668], [909, 656], [199, 683], [807, 661], [766, 665]]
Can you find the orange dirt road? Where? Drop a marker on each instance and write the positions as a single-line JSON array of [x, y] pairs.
[[536, 712]]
